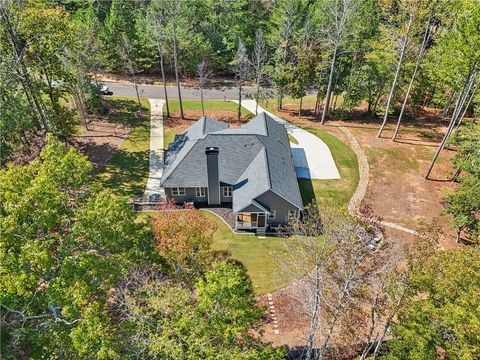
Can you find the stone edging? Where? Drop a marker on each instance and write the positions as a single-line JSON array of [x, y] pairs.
[[359, 194], [361, 190]]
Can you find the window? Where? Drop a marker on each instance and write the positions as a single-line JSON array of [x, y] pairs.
[[178, 191], [273, 214], [200, 192], [227, 191], [292, 214]]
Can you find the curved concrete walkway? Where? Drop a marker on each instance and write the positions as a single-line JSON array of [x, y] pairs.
[[311, 156], [156, 148]]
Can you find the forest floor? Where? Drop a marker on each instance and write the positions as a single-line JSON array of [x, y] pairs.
[[118, 145]]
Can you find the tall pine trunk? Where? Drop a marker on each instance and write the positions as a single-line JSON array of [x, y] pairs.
[[201, 100], [136, 91], [175, 58], [300, 108], [315, 316], [472, 95], [329, 86], [24, 75], [163, 79], [412, 80], [257, 97], [239, 101], [395, 79], [456, 112]]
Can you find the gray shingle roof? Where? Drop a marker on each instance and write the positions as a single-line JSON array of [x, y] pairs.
[[254, 159]]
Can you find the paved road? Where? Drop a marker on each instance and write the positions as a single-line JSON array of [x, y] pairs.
[[156, 91], [311, 156]]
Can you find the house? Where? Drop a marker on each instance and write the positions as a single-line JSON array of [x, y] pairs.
[[249, 169]]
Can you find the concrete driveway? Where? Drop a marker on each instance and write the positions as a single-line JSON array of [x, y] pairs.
[[156, 148], [311, 156]]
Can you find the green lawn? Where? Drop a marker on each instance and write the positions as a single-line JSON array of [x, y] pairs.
[[336, 191], [168, 136], [309, 100], [292, 139], [126, 172], [208, 105], [257, 255]]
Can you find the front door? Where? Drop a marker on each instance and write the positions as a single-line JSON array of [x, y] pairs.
[[261, 220]]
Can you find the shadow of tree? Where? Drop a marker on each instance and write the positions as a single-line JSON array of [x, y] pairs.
[[125, 112], [126, 172]]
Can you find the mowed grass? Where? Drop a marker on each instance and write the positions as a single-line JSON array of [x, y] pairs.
[[168, 136], [126, 172], [333, 191], [292, 139], [310, 100], [208, 105], [257, 255]]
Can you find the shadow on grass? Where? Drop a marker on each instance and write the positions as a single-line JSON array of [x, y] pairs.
[[125, 112], [126, 171], [307, 191]]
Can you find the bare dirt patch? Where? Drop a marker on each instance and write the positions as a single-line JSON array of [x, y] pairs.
[[229, 117], [101, 140], [397, 189]]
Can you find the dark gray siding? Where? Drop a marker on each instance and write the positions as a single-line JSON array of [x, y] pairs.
[[189, 196], [272, 201]]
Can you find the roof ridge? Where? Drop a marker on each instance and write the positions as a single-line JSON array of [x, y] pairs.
[[204, 118], [267, 167]]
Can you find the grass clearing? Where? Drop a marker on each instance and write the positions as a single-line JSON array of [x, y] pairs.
[[337, 191], [400, 158], [127, 171], [292, 139], [257, 255]]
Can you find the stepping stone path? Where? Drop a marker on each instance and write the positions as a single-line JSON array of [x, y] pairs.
[[273, 314]]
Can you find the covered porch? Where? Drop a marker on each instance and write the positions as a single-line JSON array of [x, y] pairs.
[[251, 220]]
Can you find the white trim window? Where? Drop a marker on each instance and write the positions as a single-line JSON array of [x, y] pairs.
[[227, 191], [292, 214], [178, 191], [200, 192], [273, 214]]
